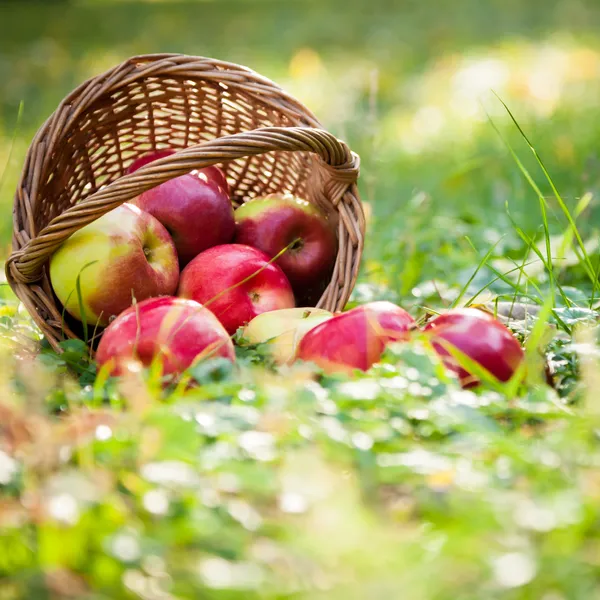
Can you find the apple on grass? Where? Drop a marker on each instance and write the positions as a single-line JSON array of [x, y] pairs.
[[174, 331], [283, 329], [355, 339], [283, 221], [478, 336], [195, 208], [237, 283], [124, 255]]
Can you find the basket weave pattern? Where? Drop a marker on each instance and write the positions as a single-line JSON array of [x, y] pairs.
[[212, 112]]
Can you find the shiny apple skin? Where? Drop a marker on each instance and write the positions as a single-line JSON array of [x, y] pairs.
[[481, 337], [355, 339], [237, 283], [273, 223], [217, 176], [281, 330], [125, 254], [145, 159], [179, 332], [195, 207], [213, 173]]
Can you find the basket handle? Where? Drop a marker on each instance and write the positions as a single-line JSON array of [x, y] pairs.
[[26, 265]]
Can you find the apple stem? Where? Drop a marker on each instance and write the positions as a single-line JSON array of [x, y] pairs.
[[297, 244]]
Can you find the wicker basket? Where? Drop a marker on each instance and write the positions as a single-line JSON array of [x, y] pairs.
[[213, 112]]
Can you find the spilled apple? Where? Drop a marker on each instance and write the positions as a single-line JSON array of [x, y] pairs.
[[480, 337], [174, 331], [355, 339], [283, 329]]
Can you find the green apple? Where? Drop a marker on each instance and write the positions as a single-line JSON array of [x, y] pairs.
[[283, 329], [124, 255]]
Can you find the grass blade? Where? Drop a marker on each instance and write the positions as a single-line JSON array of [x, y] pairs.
[[480, 265], [587, 262], [542, 202]]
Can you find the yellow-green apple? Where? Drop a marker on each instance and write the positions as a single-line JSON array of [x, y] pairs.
[[124, 255], [195, 207], [283, 329], [355, 339], [237, 283], [280, 221], [480, 337], [176, 332]]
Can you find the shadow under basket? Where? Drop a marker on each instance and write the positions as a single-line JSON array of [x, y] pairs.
[[212, 113]]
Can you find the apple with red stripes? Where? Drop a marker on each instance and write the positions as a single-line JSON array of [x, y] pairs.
[[123, 256], [298, 233], [355, 339], [480, 337], [174, 332]]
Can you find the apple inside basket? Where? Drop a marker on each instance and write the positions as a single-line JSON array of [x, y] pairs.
[[182, 176]]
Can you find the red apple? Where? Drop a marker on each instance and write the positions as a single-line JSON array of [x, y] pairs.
[[213, 173], [175, 331], [279, 221], [143, 160], [237, 283], [216, 176], [479, 336], [195, 207], [355, 339], [124, 255]]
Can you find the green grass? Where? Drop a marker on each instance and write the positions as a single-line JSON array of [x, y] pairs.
[[393, 483]]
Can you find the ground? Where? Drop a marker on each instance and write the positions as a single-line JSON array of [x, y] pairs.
[[477, 126]]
